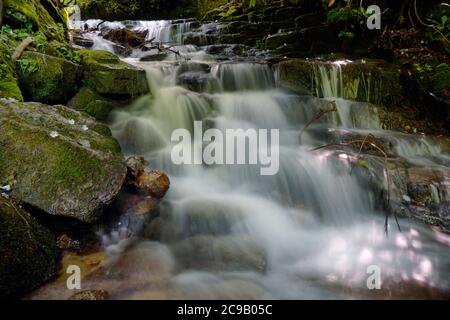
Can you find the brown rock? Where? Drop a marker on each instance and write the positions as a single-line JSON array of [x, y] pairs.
[[90, 295]]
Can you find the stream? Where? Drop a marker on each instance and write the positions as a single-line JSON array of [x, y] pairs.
[[311, 231]]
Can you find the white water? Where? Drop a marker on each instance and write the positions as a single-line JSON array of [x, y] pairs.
[[307, 232]]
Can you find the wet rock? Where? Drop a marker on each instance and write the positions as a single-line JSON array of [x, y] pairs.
[[199, 82], [59, 160], [155, 56], [219, 253], [79, 241], [107, 74], [196, 39], [309, 20], [94, 104], [47, 79], [287, 13], [136, 166], [82, 41], [90, 295], [153, 183], [299, 75], [125, 37], [27, 250]]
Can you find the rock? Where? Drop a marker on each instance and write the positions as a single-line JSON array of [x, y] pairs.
[[287, 13], [8, 78], [43, 15], [136, 166], [302, 76], [90, 295], [155, 56], [89, 101], [82, 42], [47, 79], [59, 160], [27, 250], [199, 82], [107, 74], [310, 20], [195, 38], [125, 37], [219, 253], [154, 183]]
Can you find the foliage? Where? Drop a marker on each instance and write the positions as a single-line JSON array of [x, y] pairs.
[[68, 53], [27, 66]]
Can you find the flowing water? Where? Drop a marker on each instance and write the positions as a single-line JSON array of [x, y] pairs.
[[224, 231]]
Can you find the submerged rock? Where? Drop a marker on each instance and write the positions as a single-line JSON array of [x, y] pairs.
[[47, 79], [58, 160], [27, 250]]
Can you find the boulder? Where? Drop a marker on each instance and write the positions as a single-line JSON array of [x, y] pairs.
[[47, 79], [152, 183], [27, 250], [94, 104], [59, 160], [107, 74]]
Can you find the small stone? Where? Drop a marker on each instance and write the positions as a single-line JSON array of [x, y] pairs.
[[406, 198], [53, 134]]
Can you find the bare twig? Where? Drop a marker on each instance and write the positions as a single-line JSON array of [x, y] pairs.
[[324, 110], [21, 48], [362, 142]]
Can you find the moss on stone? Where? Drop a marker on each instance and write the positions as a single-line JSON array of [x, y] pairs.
[[92, 103], [49, 79], [27, 251], [62, 165], [108, 75], [8, 81]]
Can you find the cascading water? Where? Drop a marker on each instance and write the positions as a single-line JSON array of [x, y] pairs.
[[225, 231]]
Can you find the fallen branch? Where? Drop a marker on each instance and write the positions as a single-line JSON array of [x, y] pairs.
[[386, 169], [324, 110], [21, 48]]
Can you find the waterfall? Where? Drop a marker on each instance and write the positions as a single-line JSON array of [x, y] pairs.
[[228, 232]]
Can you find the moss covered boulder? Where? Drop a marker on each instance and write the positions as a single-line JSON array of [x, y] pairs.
[[108, 75], [58, 160], [47, 79], [43, 15], [27, 251], [94, 104]]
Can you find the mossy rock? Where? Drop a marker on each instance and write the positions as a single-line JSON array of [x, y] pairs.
[[107, 74], [47, 79], [8, 79], [58, 159], [374, 81], [20, 13], [94, 104], [27, 251]]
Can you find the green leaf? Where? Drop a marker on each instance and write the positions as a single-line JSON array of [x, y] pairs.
[[363, 164]]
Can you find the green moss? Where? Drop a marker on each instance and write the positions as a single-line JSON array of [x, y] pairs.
[[47, 79], [21, 13], [8, 80]]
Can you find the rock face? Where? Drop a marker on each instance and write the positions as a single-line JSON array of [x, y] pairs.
[[27, 250], [51, 80], [58, 160], [305, 77]]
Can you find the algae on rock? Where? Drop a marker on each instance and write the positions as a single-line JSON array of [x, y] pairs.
[[59, 160]]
